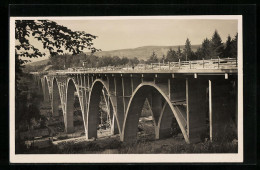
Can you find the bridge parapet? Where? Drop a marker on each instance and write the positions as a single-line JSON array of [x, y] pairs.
[[212, 66]]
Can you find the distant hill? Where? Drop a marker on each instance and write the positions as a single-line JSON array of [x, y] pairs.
[[38, 63], [142, 52], [42, 65]]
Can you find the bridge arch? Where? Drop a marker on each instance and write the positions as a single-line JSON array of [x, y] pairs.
[[93, 107], [69, 107], [134, 109]]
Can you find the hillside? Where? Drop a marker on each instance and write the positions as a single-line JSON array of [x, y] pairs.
[[38, 63], [142, 52], [139, 52]]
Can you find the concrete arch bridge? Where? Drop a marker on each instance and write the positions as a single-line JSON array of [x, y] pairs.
[[203, 101]]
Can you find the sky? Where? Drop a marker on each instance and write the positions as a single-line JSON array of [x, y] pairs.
[[132, 33]]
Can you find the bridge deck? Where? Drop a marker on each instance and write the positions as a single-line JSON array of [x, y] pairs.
[[189, 71], [212, 66]]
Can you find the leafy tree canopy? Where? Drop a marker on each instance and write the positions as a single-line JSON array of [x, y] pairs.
[[55, 38]]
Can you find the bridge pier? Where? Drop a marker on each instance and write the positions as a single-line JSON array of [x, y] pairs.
[[196, 97], [223, 106], [46, 95], [69, 112], [119, 101], [55, 99], [93, 110], [178, 89], [40, 90]]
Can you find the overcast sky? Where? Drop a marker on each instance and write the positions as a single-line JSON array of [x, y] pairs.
[[132, 33]]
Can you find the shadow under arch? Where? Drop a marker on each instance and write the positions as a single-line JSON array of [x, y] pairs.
[[40, 92], [93, 107], [69, 110], [129, 131]]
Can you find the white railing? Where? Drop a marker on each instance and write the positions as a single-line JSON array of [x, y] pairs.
[[220, 63]]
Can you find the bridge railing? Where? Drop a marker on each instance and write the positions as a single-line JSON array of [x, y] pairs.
[[219, 63]]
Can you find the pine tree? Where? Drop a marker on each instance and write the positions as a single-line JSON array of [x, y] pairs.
[[217, 47], [199, 53], [187, 49], [227, 51], [179, 53], [171, 55], [206, 53], [163, 59]]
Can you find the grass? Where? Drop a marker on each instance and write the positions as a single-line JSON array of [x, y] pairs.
[[143, 146], [82, 147], [178, 147], [146, 144]]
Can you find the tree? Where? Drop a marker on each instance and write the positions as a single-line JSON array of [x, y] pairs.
[[104, 61], [179, 53], [55, 38], [217, 47], [124, 61], [60, 61], [171, 56], [187, 49], [163, 59], [227, 50], [142, 61], [116, 61], [233, 50], [91, 61], [153, 58], [134, 61], [205, 50]]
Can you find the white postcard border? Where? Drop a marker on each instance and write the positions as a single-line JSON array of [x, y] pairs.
[[125, 158]]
